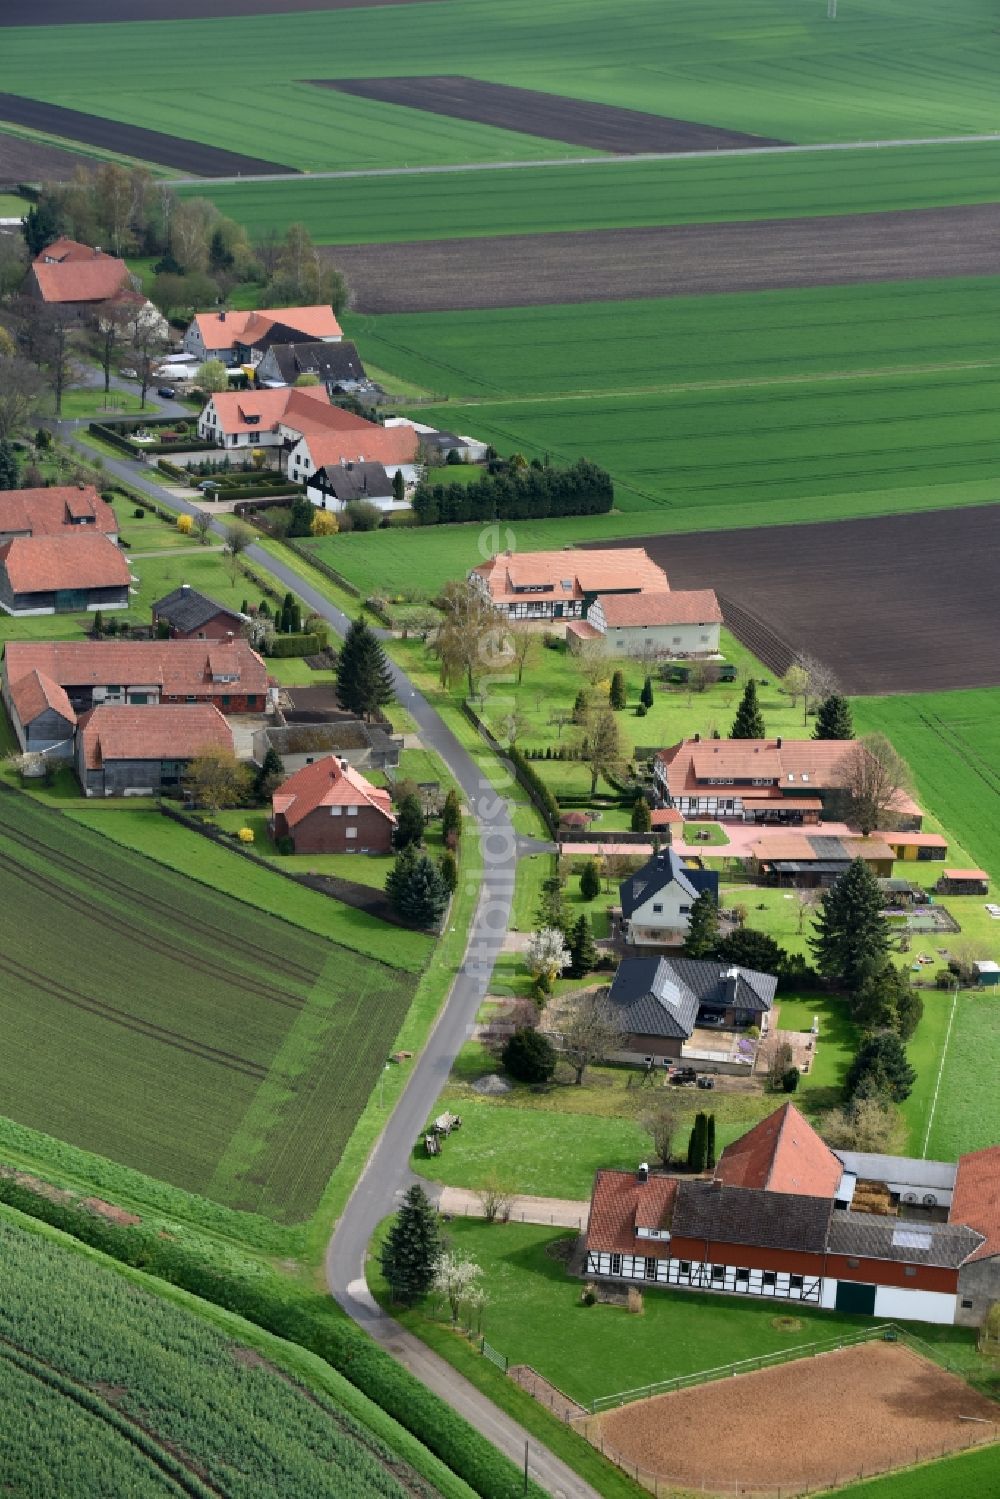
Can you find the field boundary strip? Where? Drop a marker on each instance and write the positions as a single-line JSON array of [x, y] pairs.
[[940, 1071]]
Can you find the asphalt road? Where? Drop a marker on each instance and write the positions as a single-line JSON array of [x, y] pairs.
[[387, 1172]]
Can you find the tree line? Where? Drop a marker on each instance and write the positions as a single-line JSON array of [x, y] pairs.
[[518, 492]]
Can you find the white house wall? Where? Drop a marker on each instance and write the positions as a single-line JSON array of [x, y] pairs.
[[915, 1306], [693, 1275], [669, 919], [660, 640]]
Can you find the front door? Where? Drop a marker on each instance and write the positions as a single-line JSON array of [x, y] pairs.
[[852, 1296]]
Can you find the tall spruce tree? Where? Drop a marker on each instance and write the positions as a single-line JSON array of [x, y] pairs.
[[852, 935], [833, 719], [412, 1248], [617, 696], [552, 908], [417, 889], [698, 1143], [409, 822], [710, 1142], [642, 817], [703, 926], [583, 951], [8, 466], [364, 681], [590, 880], [749, 721], [646, 695], [880, 1069], [451, 819]]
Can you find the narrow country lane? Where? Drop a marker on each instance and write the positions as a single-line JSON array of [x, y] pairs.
[[387, 1172]]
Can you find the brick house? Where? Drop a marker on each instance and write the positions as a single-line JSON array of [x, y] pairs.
[[329, 808], [122, 751], [190, 615], [229, 335], [781, 1219], [55, 511], [136, 673], [62, 574]]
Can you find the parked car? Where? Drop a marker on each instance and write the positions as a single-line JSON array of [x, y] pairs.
[[209, 486], [166, 391], [684, 1076], [706, 1082], [129, 374]]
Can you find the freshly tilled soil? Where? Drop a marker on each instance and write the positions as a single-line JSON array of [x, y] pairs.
[[602, 265], [130, 140], [34, 161], [900, 603], [577, 122], [810, 1423]]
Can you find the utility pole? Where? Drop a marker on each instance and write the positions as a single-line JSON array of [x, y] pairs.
[[525, 1467], [831, 10]]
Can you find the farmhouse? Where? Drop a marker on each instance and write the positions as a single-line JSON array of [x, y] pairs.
[[812, 861], [122, 751], [783, 1218], [136, 673], [189, 615], [336, 365], [564, 584], [62, 573], [78, 279], [786, 781], [339, 439], [681, 623], [656, 901], [365, 746], [329, 808], [661, 1001], [238, 337], [255, 418], [55, 512]]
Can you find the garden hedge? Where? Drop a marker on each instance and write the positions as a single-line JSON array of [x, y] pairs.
[[293, 645], [527, 494]]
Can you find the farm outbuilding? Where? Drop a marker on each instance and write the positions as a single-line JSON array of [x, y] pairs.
[[987, 973], [964, 882]]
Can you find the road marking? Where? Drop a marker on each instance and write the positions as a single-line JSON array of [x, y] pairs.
[[937, 1085]]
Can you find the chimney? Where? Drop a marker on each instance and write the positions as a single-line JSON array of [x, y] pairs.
[[777, 742], [642, 1172], [185, 588], [697, 739], [222, 317], [730, 980], [343, 763]]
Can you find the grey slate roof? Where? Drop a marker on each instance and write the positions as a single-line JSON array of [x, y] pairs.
[[662, 996], [871, 1236], [355, 481], [899, 1168], [187, 609], [655, 875], [332, 363], [744, 1215]]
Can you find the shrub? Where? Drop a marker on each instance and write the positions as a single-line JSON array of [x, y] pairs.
[[790, 1080], [245, 835], [364, 516], [280, 646], [185, 524], [529, 1056]]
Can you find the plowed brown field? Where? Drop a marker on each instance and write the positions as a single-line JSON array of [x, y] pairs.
[[34, 161], [527, 270], [550, 116], [811, 1423], [902, 603]]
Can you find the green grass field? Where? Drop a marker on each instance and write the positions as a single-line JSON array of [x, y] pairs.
[[955, 1478], [180, 1031], [110, 1389], [614, 195], [965, 1113], [891, 70]]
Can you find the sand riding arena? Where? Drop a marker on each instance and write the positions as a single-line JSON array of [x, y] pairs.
[[811, 1424]]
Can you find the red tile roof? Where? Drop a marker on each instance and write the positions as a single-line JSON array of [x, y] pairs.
[[966, 874], [810, 848], [39, 564], [223, 331], [665, 817], [262, 410], [47, 512], [781, 1154], [976, 1198], [585, 572], [179, 668], [329, 782], [370, 443], [171, 731], [687, 607], [35, 692], [912, 840], [65, 249], [98, 278], [620, 1203]]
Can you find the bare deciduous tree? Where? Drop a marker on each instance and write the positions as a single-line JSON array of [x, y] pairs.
[[872, 775], [114, 322], [661, 1125], [496, 1198], [590, 1032], [821, 681], [522, 643], [237, 538], [22, 388], [601, 750], [470, 634]]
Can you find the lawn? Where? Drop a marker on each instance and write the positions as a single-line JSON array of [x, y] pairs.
[[212, 864], [94, 404], [612, 195], [134, 1394], [975, 1472], [886, 72], [363, 869], [534, 1316], [189, 1035], [965, 1114]]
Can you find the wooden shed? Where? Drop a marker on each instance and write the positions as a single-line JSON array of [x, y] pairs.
[[964, 882]]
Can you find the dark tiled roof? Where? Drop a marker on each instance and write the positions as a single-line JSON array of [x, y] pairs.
[[664, 867], [650, 1001], [871, 1236], [740, 1215], [331, 362], [356, 481], [187, 609]]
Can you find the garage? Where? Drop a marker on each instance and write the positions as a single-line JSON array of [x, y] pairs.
[[852, 1296]]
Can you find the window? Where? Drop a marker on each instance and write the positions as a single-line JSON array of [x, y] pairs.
[[795, 1282], [742, 1277], [352, 811], [909, 1270], [684, 910], [967, 1303], [352, 832], [616, 1264], [658, 909], [769, 1278], [650, 1267], [225, 700], [685, 1268], [718, 1272], [336, 811]]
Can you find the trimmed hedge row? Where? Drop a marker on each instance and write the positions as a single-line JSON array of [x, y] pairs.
[[527, 494], [293, 645], [346, 1349], [533, 783], [116, 438]]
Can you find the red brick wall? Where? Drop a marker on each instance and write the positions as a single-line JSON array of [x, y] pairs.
[[232, 702], [320, 833], [892, 1273], [219, 627]]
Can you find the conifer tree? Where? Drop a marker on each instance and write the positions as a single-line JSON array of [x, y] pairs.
[[646, 695], [448, 866], [833, 719], [364, 681], [552, 908], [749, 721], [451, 819], [417, 889], [409, 822], [270, 774], [590, 880], [698, 1143], [8, 466], [581, 707], [617, 696], [852, 935], [703, 926], [398, 486], [412, 1248], [642, 817], [710, 1143], [583, 952], [880, 1069]]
